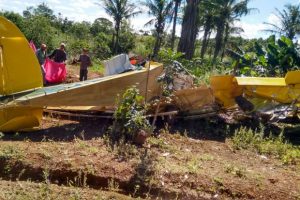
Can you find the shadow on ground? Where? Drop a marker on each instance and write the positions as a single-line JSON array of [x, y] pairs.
[[63, 131]]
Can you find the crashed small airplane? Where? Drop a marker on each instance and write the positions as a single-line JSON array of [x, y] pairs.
[[23, 97]]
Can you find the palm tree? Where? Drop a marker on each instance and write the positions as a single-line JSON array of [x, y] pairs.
[[176, 8], [208, 20], [230, 29], [161, 10], [190, 28], [228, 11], [289, 22], [119, 10]]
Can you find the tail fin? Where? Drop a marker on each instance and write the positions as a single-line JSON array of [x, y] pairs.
[[19, 67]]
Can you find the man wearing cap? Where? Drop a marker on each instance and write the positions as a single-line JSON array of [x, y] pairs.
[[59, 55], [41, 56]]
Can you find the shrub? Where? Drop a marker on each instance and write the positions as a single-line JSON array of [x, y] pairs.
[[129, 117]]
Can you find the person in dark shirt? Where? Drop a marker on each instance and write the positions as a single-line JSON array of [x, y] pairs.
[[59, 55], [41, 55], [85, 62]]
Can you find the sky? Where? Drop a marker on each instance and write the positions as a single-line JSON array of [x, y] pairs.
[[89, 10]]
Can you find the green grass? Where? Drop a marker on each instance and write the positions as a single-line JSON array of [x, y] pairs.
[[97, 66], [273, 146]]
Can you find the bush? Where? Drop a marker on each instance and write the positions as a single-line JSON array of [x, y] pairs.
[[129, 117]]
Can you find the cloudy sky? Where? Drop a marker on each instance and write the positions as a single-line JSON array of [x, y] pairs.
[[89, 10]]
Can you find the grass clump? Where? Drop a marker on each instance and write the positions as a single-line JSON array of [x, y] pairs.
[[273, 145], [11, 152]]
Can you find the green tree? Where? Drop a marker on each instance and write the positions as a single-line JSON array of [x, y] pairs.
[[41, 10], [101, 47], [39, 29], [101, 25], [228, 11], [119, 10], [161, 10], [80, 30], [44, 10], [289, 22], [208, 21]]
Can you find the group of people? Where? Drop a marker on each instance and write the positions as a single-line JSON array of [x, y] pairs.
[[59, 55]]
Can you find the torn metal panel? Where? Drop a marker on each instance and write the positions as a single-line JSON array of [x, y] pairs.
[[194, 98]]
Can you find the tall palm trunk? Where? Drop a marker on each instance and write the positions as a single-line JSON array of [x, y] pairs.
[[207, 29], [219, 39], [225, 41], [177, 4], [159, 31], [116, 43], [190, 29]]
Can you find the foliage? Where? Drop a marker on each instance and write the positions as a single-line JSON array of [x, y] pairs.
[[161, 11], [80, 30], [101, 47], [289, 22], [275, 146], [39, 30], [102, 25], [227, 12], [126, 39], [75, 47], [129, 117], [144, 45], [168, 56], [272, 59], [120, 11]]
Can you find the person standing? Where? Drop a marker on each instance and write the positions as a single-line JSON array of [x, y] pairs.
[[59, 55], [85, 62], [41, 55]]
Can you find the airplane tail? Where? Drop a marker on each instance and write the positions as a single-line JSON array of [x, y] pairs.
[[19, 72]]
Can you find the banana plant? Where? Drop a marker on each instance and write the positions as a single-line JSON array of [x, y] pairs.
[[275, 58]]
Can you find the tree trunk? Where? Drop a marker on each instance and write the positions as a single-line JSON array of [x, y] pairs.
[[177, 4], [159, 31], [225, 41], [207, 28], [116, 44], [190, 29], [219, 39]]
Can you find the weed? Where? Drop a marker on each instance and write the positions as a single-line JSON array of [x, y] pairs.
[[218, 181], [113, 185], [1, 135], [125, 151], [158, 143], [275, 146], [193, 166], [11, 152], [237, 171], [206, 157], [145, 172]]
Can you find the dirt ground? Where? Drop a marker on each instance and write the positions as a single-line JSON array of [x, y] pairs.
[[73, 74], [71, 156]]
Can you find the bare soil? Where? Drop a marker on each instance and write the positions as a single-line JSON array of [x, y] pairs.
[[73, 74], [72, 154]]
